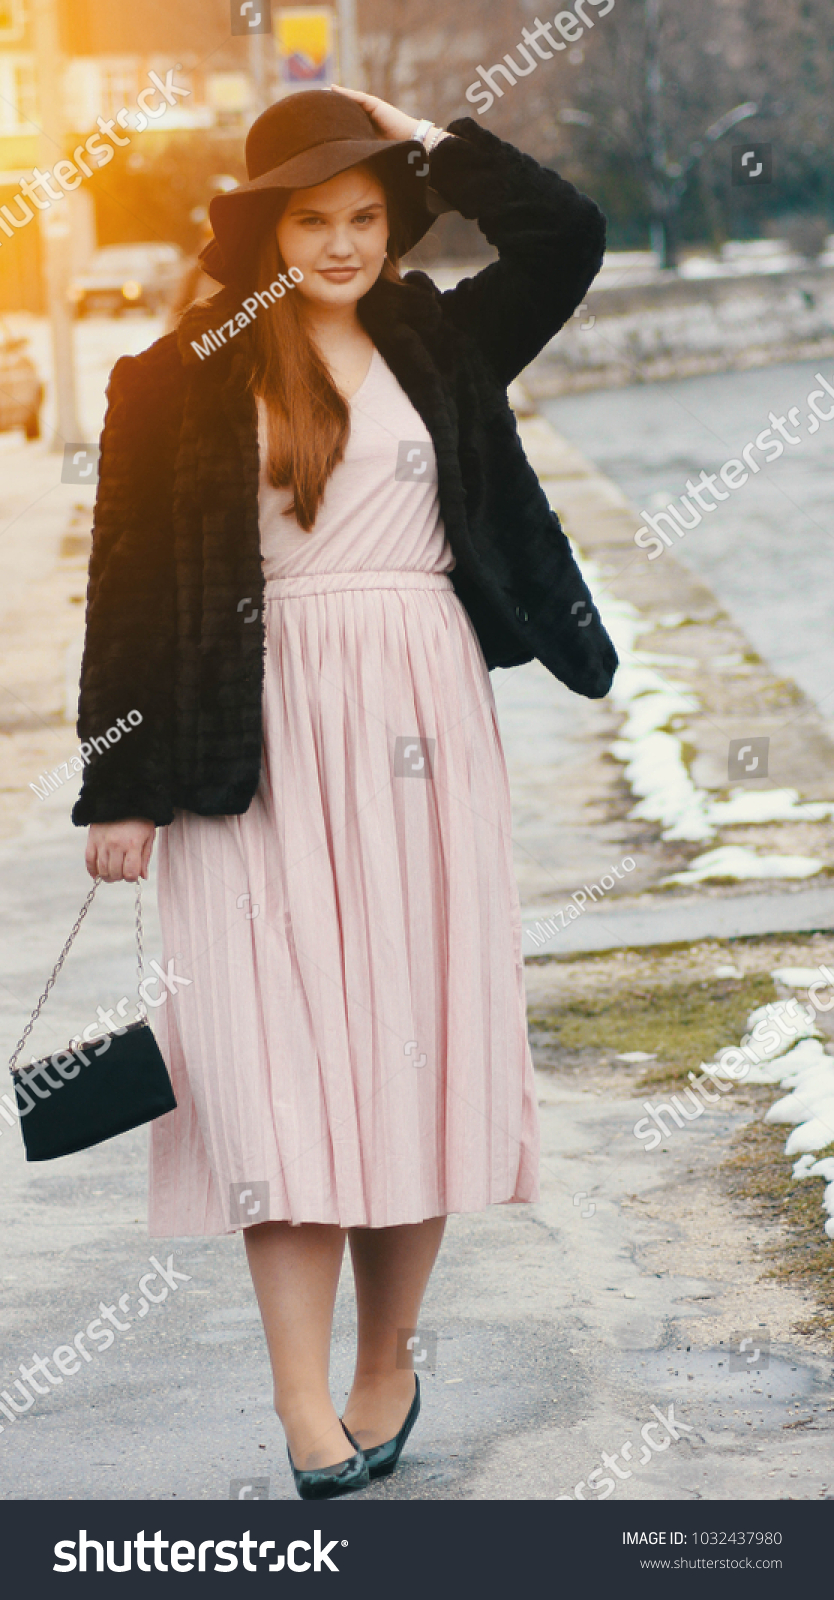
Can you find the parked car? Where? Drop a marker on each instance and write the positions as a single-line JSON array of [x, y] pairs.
[[21, 390], [124, 276]]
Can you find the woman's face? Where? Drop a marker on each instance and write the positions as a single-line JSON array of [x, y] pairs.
[[336, 233]]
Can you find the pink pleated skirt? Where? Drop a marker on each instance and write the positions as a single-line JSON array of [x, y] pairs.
[[351, 1046]]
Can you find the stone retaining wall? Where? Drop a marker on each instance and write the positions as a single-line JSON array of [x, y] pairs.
[[642, 333]]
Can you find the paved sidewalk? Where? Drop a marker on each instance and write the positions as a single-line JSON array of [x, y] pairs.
[[573, 814], [681, 922]]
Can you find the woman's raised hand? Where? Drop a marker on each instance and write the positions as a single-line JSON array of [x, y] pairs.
[[120, 851], [392, 123]]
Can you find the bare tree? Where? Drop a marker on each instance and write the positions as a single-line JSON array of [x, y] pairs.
[[659, 91], [641, 110], [791, 66]]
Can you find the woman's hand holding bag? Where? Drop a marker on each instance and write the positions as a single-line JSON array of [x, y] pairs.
[[120, 851]]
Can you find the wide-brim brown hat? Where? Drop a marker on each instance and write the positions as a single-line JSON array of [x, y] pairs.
[[303, 140]]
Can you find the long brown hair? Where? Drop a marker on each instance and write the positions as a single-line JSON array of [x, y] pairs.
[[308, 419]]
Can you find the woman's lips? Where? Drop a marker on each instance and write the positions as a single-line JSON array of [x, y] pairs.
[[338, 273]]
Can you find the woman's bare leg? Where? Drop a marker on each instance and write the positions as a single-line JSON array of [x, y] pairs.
[[295, 1271], [391, 1268]]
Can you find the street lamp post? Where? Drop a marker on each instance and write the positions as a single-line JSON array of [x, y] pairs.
[[667, 196], [55, 224], [348, 45], [668, 180], [259, 68]]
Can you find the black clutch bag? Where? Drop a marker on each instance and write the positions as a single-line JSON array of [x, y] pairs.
[[80, 1096]]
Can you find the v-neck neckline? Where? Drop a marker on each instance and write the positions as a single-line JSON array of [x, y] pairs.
[[355, 396], [365, 380]]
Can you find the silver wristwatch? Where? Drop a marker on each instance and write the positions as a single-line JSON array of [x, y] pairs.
[[427, 134]]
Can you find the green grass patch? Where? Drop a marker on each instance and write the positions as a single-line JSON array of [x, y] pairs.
[[684, 1024]]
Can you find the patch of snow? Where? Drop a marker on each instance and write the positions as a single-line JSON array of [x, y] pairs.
[[635, 1055], [652, 756], [793, 1048], [727, 972], [797, 977], [788, 1069], [650, 658], [737, 862], [805, 1100], [764, 1073], [701, 267], [787, 1012], [655, 771], [652, 752], [814, 1134], [767, 805], [800, 1066], [819, 1077]]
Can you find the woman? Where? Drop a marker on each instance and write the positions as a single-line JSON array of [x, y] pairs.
[[316, 532]]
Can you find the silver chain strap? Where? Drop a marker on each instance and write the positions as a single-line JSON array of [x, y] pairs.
[[141, 1010], [140, 964]]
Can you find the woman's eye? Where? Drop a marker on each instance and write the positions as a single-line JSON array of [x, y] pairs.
[[313, 222]]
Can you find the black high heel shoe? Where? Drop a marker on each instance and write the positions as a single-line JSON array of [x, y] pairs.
[[324, 1483], [383, 1458]]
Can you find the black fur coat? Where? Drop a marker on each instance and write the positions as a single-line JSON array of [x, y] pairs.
[[175, 568]]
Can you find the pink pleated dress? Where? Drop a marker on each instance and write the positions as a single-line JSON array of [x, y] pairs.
[[352, 1046]]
